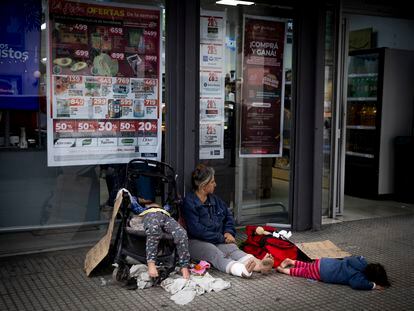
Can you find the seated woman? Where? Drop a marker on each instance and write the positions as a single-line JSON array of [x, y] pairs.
[[211, 231]]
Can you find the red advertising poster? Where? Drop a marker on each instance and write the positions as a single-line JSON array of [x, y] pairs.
[[263, 50], [104, 69]]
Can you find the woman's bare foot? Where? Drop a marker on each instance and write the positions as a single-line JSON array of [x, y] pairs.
[[250, 265], [185, 272], [283, 270], [267, 263], [287, 262], [152, 269]]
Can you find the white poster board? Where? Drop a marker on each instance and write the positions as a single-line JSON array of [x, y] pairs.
[[212, 35], [104, 85]]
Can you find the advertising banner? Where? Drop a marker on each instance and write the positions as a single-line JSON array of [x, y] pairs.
[[262, 91], [212, 34], [104, 87]]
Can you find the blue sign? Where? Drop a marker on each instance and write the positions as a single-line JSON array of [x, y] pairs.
[[20, 22]]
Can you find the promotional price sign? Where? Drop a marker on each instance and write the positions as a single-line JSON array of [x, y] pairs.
[[212, 34], [263, 98], [104, 86]]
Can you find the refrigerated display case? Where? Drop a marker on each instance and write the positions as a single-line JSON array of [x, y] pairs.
[[379, 107]]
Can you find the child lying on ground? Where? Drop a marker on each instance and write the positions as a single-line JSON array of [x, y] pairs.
[[353, 271], [157, 220]]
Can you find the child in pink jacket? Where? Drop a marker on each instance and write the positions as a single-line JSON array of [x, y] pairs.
[[353, 271]]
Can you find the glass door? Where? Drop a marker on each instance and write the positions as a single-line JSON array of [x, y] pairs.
[[339, 47], [362, 125], [264, 146], [255, 73]]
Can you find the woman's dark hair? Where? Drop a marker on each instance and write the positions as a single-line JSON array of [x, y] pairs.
[[376, 273], [201, 176]]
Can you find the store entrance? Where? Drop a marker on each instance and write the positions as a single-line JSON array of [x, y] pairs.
[[249, 50], [263, 174], [375, 118]]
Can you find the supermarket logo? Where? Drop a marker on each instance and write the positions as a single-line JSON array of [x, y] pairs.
[[8, 52]]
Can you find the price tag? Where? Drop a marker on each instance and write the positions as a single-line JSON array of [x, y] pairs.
[[118, 56], [152, 25], [151, 58], [80, 27], [126, 102], [150, 102], [150, 82], [76, 101], [98, 101], [75, 79], [150, 33], [105, 80], [124, 81], [82, 53], [116, 31]]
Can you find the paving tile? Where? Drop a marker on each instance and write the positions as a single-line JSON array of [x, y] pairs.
[[56, 281]]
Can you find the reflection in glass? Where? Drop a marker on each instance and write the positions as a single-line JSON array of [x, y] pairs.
[[327, 114]]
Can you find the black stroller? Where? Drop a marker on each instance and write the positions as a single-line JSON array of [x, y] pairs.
[[154, 181]]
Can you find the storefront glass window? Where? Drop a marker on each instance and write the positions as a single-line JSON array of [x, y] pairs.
[[97, 72], [245, 106]]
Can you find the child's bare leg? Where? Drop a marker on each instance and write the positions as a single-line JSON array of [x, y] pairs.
[[283, 270], [185, 272], [287, 262], [152, 269]]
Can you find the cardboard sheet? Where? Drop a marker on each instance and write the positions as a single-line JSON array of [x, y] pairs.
[[317, 250], [97, 253]]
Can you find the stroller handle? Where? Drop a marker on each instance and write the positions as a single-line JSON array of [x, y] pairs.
[[153, 169], [152, 163]]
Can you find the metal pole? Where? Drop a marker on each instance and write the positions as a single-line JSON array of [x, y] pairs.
[[51, 227]]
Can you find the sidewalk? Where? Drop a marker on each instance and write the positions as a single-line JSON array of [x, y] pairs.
[[55, 281]]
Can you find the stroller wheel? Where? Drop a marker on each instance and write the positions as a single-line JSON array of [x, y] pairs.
[[120, 275]]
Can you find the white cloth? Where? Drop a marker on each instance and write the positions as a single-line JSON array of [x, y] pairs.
[[140, 272], [283, 234], [208, 283], [174, 285], [184, 296], [184, 290]]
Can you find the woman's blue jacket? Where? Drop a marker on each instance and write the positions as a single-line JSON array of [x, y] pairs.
[[207, 221]]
